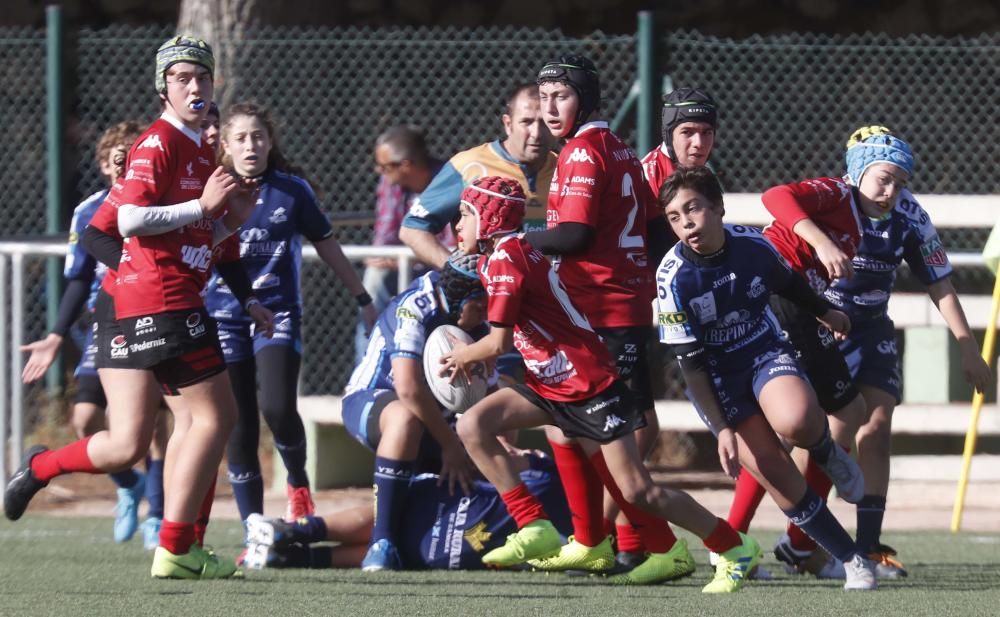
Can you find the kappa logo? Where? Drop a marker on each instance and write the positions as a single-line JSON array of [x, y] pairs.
[[612, 422], [580, 155], [153, 141], [502, 255], [417, 210]]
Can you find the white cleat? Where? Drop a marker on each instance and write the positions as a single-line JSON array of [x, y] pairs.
[[846, 475], [859, 574]]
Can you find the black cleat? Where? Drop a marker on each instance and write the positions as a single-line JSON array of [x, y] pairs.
[[23, 486]]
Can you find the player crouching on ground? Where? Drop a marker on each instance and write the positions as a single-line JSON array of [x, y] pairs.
[[571, 382], [713, 290], [389, 408]]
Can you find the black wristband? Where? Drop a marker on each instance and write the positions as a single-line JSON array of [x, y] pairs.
[[363, 299]]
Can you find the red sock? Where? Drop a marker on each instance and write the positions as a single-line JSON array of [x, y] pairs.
[[629, 539], [584, 493], [176, 537], [522, 505], [204, 513], [746, 499], [655, 532], [820, 483], [722, 538], [52, 463]]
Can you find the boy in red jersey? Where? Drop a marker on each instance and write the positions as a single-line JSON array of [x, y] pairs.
[[163, 334], [571, 382]]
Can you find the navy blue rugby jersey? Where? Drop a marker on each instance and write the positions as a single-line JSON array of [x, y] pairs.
[[271, 248], [906, 233], [724, 306], [81, 265]]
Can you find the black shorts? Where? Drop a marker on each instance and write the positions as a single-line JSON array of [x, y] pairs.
[[603, 418], [89, 390], [818, 353], [112, 346], [628, 348], [180, 347]]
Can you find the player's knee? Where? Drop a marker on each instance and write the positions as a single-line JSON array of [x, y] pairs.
[[876, 434], [470, 430], [638, 493]]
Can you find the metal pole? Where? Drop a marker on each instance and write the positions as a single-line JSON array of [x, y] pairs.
[[55, 140], [16, 359], [645, 133], [4, 356]]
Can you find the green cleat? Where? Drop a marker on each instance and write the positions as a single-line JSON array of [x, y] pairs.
[[536, 540], [659, 567], [576, 556], [734, 567], [196, 564]]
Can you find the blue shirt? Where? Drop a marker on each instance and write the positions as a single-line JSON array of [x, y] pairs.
[[724, 307], [401, 332], [906, 233], [443, 531], [81, 265], [271, 248]]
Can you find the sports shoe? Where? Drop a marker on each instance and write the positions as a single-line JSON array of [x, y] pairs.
[[536, 540], [127, 510], [859, 574], [846, 475], [382, 555], [886, 565], [258, 556], [197, 563], [659, 567], [626, 561], [151, 533], [734, 567], [22, 486], [300, 503], [793, 558], [576, 556], [267, 531]]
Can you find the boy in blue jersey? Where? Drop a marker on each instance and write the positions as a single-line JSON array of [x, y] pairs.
[[894, 228], [442, 530], [83, 276], [713, 291], [389, 408], [523, 154], [264, 371]]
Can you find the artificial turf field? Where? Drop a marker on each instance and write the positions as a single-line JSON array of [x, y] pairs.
[[70, 566]]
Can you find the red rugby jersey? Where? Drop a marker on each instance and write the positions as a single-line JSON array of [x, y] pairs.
[[167, 165], [599, 182], [657, 167], [830, 204], [565, 359]]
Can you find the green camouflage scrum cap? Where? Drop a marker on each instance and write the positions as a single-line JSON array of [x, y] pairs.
[[182, 48]]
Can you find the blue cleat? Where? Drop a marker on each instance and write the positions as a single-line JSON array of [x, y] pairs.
[[151, 533], [127, 511], [382, 555]]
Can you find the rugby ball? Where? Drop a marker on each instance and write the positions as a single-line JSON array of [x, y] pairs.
[[458, 396]]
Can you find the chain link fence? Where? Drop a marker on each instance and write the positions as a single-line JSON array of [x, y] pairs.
[[788, 104]]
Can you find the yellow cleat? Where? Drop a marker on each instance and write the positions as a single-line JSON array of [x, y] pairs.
[[536, 540], [659, 567], [734, 567], [195, 564], [576, 556]]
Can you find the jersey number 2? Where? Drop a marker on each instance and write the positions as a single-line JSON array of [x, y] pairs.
[[628, 239]]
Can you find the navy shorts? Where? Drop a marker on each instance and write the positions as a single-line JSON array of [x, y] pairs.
[[738, 391], [872, 356], [361, 412], [239, 341]]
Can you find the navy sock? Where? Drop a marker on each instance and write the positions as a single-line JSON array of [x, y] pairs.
[[812, 516], [308, 530], [154, 487], [248, 489], [871, 511], [124, 479], [822, 450], [392, 483], [294, 457]]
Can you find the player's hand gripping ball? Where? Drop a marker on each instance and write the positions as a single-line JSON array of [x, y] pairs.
[[459, 394]]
